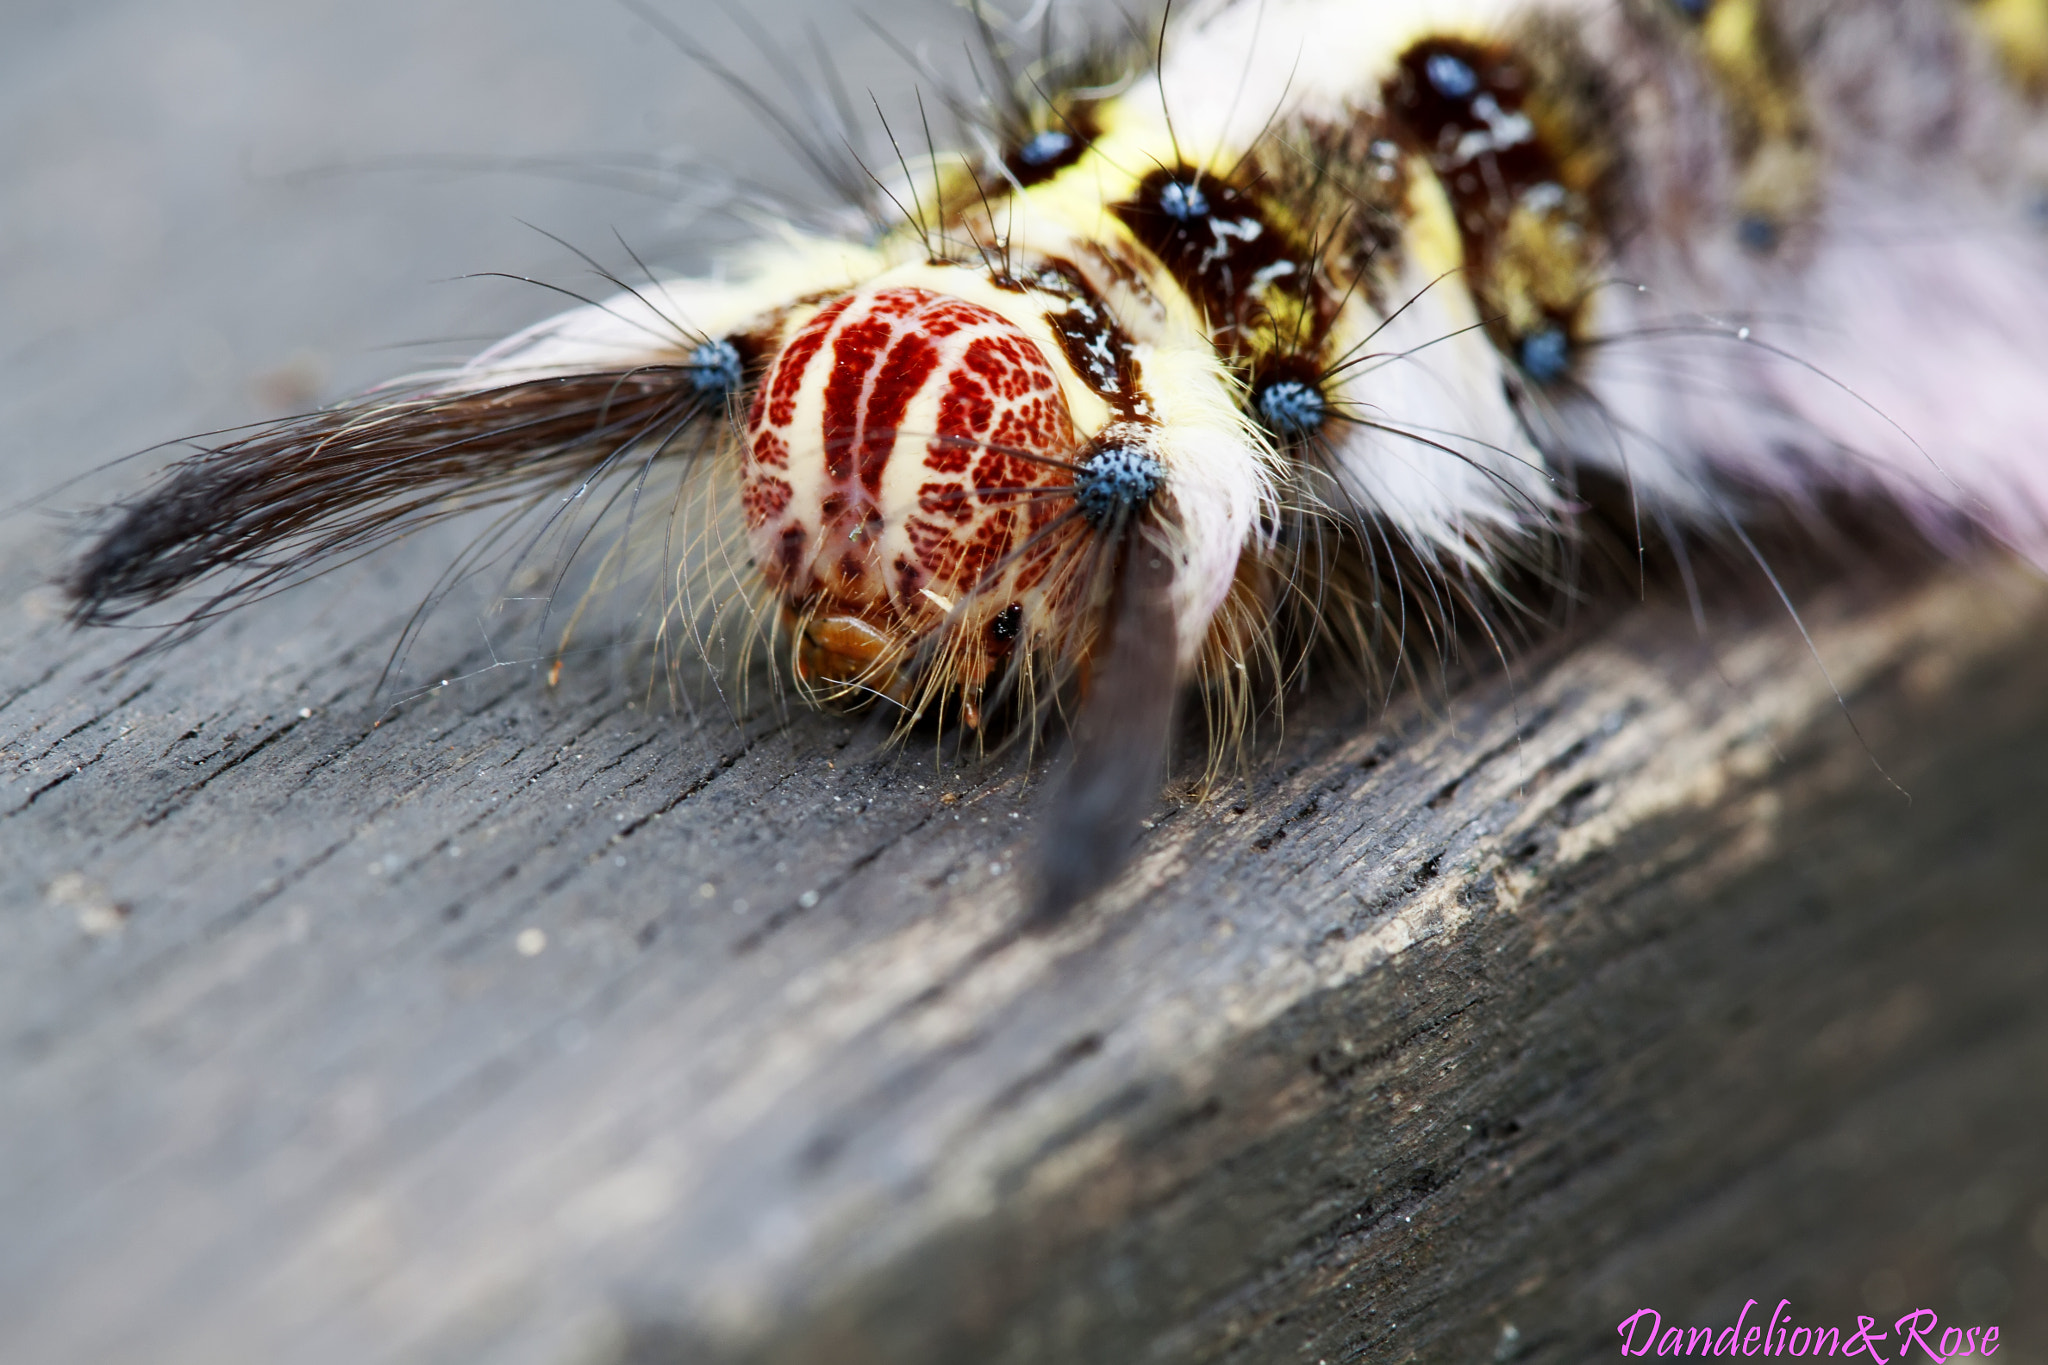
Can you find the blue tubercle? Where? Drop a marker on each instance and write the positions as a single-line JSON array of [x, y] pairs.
[[1758, 234], [1115, 482], [715, 367], [1182, 201], [1291, 407], [1453, 78], [1546, 355], [1045, 148]]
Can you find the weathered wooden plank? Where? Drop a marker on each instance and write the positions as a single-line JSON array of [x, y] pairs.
[[1454, 1030]]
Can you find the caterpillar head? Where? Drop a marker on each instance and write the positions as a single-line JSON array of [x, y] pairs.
[[925, 467]]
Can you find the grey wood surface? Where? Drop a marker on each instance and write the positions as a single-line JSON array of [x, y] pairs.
[[504, 1022]]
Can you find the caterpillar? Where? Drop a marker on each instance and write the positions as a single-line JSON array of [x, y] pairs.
[[1280, 321]]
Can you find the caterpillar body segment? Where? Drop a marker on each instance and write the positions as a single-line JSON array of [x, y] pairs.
[[1314, 310]]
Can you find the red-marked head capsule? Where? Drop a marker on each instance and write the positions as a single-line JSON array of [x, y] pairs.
[[906, 453]]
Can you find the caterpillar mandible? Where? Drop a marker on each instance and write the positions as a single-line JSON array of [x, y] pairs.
[[1288, 317]]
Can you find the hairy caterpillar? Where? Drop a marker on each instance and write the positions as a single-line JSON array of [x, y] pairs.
[[1308, 311]]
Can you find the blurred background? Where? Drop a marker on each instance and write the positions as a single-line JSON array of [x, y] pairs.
[[214, 211]]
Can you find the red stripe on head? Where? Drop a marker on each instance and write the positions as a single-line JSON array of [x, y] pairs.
[[836, 405], [910, 364], [795, 359], [854, 352]]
